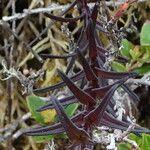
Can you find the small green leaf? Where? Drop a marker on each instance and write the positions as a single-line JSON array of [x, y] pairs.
[[126, 46], [118, 67], [48, 115], [142, 70], [146, 56], [135, 52], [145, 142], [34, 102], [135, 138], [142, 141], [41, 139], [70, 110], [145, 34], [123, 146]]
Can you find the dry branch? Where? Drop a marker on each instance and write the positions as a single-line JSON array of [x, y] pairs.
[[51, 8]]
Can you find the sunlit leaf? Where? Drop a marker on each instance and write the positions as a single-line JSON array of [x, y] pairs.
[[48, 115], [34, 103], [118, 67], [135, 52], [145, 141], [123, 146], [145, 34], [126, 46], [41, 139], [142, 141], [136, 138], [70, 110], [146, 56]]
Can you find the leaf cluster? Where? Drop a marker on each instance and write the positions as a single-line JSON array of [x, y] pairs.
[[95, 93]]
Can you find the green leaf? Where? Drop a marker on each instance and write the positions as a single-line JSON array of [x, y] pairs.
[[70, 110], [145, 34], [145, 141], [41, 139], [142, 70], [135, 52], [135, 138], [146, 56], [118, 67], [34, 102], [123, 146], [126, 47]]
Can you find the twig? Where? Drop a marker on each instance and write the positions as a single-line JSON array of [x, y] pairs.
[[6, 27], [50, 9], [145, 80], [8, 131], [33, 11], [50, 145], [26, 82]]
